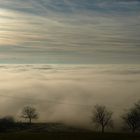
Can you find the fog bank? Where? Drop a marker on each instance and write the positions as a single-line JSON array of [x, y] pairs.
[[68, 93]]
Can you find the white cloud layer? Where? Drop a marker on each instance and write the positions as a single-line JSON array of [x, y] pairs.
[[62, 92]]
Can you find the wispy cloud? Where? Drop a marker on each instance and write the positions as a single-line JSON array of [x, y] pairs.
[[70, 31]]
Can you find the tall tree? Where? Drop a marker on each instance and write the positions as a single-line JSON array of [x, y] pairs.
[[102, 117]]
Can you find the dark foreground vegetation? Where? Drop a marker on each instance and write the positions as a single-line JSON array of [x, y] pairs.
[[68, 136], [56, 131], [10, 129]]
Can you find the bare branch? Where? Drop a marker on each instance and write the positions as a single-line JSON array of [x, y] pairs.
[[102, 117]]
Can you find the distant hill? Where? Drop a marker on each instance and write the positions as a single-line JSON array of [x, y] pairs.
[[37, 127], [54, 127]]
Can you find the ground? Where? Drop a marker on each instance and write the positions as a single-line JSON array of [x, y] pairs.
[[68, 136], [56, 131]]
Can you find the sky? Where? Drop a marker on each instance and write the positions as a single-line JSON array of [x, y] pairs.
[[69, 31], [67, 56]]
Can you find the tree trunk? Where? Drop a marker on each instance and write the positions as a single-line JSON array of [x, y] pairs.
[[30, 120], [133, 130], [103, 129]]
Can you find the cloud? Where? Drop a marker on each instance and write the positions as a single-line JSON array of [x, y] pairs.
[[49, 31], [62, 92], [41, 7]]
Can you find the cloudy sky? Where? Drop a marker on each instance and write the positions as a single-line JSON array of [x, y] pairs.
[[50, 43], [70, 31]]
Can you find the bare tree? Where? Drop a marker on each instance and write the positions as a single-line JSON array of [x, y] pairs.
[[132, 118], [30, 113], [102, 117]]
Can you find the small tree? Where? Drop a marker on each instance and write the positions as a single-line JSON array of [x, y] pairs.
[[132, 118], [30, 113], [102, 117]]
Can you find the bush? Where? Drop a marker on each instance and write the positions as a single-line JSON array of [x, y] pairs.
[[6, 123]]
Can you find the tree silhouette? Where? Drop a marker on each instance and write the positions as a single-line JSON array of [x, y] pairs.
[[30, 113], [102, 117], [132, 118]]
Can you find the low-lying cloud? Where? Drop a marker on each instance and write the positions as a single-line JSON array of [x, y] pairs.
[[62, 92]]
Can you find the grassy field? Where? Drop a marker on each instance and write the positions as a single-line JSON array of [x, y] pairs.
[[56, 131], [68, 136]]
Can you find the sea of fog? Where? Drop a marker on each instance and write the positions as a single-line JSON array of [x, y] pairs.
[[68, 93]]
